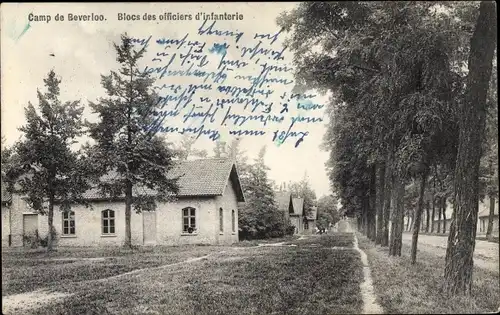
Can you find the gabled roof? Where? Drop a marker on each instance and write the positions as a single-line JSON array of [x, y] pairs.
[[283, 200], [298, 206], [204, 177]]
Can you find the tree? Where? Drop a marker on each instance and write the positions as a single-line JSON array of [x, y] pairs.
[[220, 149], [134, 158], [260, 216], [50, 171], [490, 158], [327, 212], [185, 148], [461, 239], [380, 203], [392, 70]]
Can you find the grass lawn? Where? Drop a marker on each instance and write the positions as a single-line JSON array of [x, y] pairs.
[[233, 280], [36, 269], [249, 243], [406, 289]]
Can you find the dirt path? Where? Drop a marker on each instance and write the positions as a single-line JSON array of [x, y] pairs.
[[370, 305]]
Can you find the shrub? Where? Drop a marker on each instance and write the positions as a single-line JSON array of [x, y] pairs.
[[290, 230], [32, 240]]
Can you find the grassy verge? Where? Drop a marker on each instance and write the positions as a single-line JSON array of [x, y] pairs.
[[406, 289], [261, 280], [24, 274]]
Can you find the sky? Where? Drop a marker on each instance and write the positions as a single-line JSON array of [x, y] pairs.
[[83, 51]]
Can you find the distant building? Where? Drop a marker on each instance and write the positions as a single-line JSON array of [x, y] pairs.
[[205, 211], [284, 203], [296, 218], [482, 221], [310, 221], [483, 217]]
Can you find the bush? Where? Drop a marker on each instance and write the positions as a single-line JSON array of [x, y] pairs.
[[290, 230], [32, 240]]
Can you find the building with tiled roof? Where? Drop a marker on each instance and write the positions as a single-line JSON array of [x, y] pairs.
[[284, 203], [205, 211], [310, 221], [204, 177], [296, 218]]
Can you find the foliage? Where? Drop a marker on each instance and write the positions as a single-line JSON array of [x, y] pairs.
[[396, 77], [46, 168], [260, 216], [138, 157], [185, 148], [327, 212]]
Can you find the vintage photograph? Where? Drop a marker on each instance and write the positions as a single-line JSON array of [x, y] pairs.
[[262, 158]]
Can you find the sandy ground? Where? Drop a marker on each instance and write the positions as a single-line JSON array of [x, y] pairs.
[[20, 303], [486, 254]]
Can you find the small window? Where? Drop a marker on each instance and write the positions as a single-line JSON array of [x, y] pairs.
[[306, 225], [221, 220], [188, 220], [233, 221], [108, 222], [68, 223]]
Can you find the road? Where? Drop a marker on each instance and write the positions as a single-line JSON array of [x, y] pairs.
[[486, 254]]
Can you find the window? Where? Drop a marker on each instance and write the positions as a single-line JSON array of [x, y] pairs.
[[68, 223], [108, 222], [188, 220], [233, 221], [306, 225], [221, 220]]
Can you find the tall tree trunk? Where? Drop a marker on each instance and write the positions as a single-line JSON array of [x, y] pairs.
[[365, 216], [50, 219], [462, 236], [380, 204], [397, 219], [489, 231], [387, 200], [440, 213], [433, 213], [128, 213], [372, 204], [443, 206], [412, 222], [427, 216], [418, 218]]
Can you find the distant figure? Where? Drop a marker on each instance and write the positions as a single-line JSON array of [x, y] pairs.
[[326, 231]]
